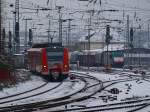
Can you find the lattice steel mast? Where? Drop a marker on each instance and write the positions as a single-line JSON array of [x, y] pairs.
[[17, 36]]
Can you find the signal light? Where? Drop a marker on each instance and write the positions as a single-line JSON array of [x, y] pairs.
[[131, 34], [107, 35]]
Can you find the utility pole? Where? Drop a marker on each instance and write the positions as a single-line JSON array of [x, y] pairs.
[[127, 39], [128, 34], [148, 37], [140, 47], [17, 36], [10, 42], [14, 47], [89, 32], [0, 25], [26, 32], [69, 31], [108, 38], [3, 40], [89, 28], [66, 31], [131, 46], [49, 36], [34, 32], [30, 37], [60, 23]]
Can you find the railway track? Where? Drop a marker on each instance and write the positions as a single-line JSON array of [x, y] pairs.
[[23, 95], [6, 97], [120, 72], [74, 97], [140, 108], [81, 96], [31, 94], [139, 104]]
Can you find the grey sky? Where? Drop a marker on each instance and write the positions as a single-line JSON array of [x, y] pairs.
[[139, 11]]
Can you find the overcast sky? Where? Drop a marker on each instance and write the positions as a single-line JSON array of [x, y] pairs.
[[139, 11]]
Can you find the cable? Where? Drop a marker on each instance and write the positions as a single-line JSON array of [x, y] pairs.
[[123, 6]]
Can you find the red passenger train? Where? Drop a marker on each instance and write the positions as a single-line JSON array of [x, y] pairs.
[[49, 60]]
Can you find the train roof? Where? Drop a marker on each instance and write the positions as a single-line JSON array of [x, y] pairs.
[[45, 45], [18, 54], [34, 49], [96, 50], [138, 50]]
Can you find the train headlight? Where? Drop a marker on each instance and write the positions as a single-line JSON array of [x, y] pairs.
[[65, 66], [44, 66]]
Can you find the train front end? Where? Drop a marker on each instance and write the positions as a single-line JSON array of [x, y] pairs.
[[58, 62]]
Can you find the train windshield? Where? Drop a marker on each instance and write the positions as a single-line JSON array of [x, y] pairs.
[[55, 56]]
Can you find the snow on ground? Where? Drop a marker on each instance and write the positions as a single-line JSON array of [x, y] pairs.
[[132, 89], [44, 88], [22, 87], [146, 109], [129, 89], [104, 76], [135, 89], [65, 89], [139, 88]]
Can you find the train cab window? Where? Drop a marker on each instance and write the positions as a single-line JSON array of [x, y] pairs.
[[55, 56]]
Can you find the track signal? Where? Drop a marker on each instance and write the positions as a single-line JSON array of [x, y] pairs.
[[107, 35], [131, 34], [30, 37]]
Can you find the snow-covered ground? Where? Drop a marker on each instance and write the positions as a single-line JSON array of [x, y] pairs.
[[132, 89], [66, 88], [62, 91], [22, 87], [138, 88]]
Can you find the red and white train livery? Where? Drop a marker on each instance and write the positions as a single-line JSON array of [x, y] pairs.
[[49, 61]]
